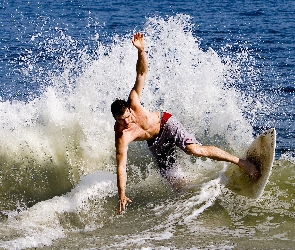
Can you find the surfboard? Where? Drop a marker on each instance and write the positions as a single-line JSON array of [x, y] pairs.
[[261, 152]]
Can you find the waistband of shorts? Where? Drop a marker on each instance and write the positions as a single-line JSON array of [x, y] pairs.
[[164, 118]]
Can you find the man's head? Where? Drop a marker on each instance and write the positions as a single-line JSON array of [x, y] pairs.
[[119, 107], [122, 113]]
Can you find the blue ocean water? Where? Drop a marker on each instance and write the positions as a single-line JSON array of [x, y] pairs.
[[229, 65], [264, 29]]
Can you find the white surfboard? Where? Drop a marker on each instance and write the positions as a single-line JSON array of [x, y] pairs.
[[261, 152]]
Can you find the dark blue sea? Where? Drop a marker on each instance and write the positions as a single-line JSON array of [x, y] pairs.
[[224, 68]]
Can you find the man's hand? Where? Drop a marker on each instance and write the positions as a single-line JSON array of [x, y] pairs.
[[138, 41], [122, 204]]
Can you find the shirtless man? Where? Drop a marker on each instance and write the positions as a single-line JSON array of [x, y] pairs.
[[162, 131]]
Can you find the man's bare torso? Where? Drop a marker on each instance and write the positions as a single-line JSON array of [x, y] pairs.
[[144, 125]]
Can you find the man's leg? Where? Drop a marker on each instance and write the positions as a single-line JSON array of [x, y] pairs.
[[218, 154]]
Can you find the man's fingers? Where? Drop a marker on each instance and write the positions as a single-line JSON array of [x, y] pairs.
[[137, 36], [122, 205], [121, 208], [128, 200]]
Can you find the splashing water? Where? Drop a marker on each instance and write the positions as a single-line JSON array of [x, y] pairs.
[[49, 143]]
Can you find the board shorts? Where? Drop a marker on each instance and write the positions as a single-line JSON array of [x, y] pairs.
[[172, 135]]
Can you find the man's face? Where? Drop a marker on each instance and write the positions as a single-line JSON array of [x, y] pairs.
[[126, 119]]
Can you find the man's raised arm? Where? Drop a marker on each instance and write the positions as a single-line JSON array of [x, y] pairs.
[[141, 68]]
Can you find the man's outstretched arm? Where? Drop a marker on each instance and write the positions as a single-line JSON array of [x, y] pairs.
[[121, 156], [141, 69]]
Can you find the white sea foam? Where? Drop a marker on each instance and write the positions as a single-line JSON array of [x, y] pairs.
[[44, 222], [67, 132]]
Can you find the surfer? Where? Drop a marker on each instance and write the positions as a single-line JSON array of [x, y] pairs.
[[162, 131]]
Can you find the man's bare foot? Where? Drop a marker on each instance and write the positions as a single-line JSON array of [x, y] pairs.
[[253, 171]]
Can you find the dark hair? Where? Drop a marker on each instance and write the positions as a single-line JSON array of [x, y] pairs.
[[119, 107]]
